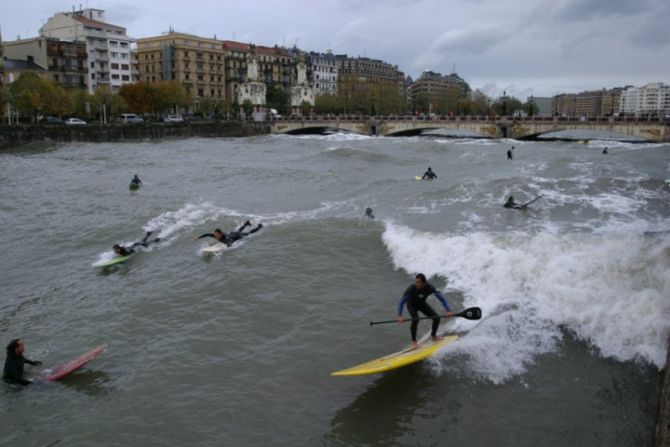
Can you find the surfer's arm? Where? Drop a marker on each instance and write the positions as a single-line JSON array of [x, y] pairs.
[[402, 302], [33, 362], [206, 235], [443, 300]]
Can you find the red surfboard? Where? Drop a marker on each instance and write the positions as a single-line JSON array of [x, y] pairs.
[[63, 370]]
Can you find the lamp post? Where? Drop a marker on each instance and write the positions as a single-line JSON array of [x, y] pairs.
[[504, 103]]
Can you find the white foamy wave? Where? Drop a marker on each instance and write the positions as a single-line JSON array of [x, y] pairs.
[[171, 222], [339, 136], [614, 144], [609, 290]]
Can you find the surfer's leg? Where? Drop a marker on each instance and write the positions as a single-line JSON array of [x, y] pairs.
[[255, 229], [428, 311], [415, 324], [244, 225]]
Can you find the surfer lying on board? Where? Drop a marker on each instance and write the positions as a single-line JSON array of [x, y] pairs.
[[13, 372], [415, 297], [230, 238], [429, 174], [125, 251]]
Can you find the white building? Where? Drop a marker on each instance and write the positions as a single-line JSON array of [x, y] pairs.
[[302, 92], [252, 89], [107, 45], [324, 73], [651, 99]]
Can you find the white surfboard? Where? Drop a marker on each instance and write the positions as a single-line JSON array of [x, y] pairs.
[[216, 248]]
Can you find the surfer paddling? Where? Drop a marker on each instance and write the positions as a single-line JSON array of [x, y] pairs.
[[415, 297], [232, 237], [120, 250], [368, 213], [13, 372], [136, 181], [512, 204]]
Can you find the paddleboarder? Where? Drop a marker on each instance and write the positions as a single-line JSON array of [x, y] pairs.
[[13, 372], [125, 251], [136, 181], [429, 174], [512, 204], [510, 153], [415, 297], [230, 238]]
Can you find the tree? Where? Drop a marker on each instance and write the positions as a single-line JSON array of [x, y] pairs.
[[137, 96], [327, 104], [104, 104], [276, 98], [248, 108], [33, 95], [169, 95], [306, 108]]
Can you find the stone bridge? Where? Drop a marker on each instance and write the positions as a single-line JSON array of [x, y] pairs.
[[486, 126]]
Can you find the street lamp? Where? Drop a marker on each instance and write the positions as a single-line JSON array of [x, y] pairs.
[[504, 103]]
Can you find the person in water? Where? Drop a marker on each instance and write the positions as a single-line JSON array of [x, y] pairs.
[[605, 152], [510, 153], [230, 238], [13, 372], [415, 297], [512, 204], [136, 180], [125, 251], [429, 174], [368, 213]]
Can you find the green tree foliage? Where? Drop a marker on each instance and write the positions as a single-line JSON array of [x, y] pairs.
[[104, 103], [33, 95], [276, 98], [306, 108], [248, 108], [327, 104], [168, 96], [358, 95]]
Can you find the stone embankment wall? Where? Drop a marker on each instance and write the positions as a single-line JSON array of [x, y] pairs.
[[663, 423], [13, 136]]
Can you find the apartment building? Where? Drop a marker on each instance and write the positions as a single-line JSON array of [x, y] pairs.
[[437, 87], [370, 85], [198, 63], [648, 100], [65, 61], [107, 45], [588, 103], [322, 72]]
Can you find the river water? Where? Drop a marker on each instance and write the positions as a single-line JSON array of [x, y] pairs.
[[236, 349]]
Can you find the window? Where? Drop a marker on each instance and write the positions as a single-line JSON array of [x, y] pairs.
[[92, 64], [201, 92], [125, 67], [115, 66], [114, 54]]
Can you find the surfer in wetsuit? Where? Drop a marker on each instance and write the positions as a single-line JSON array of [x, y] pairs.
[[429, 174], [230, 238], [368, 213], [125, 251], [136, 181], [605, 152], [512, 204], [415, 297], [510, 153], [13, 372]]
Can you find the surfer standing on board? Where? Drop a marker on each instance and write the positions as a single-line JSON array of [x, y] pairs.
[[125, 251], [13, 372], [430, 175], [415, 297], [230, 238]]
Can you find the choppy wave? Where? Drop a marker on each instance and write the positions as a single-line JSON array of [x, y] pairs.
[[610, 290]]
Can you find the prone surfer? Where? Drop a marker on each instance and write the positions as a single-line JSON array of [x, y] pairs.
[[429, 174], [230, 238], [415, 297], [125, 251], [136, 180], [13, 372]]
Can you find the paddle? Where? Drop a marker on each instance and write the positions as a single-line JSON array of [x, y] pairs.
[[531, 201], [471, 313]]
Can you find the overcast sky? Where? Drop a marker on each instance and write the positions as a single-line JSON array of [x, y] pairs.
[[539, 47]]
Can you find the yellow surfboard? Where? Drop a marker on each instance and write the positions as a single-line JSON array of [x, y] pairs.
[[396, 360]]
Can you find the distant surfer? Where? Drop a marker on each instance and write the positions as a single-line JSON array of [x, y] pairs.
[[429, 174], [120, 250], [230, 238], [510, 153], [136, 181], [605, 152], [415, 297], [13, 372], [512, 204], [368, 213]]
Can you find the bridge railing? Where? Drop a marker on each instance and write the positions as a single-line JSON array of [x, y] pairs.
[[475, 118]]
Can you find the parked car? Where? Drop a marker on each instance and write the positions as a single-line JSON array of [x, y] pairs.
[[130, 118], [75, 122], [50, 120], [172, 119]]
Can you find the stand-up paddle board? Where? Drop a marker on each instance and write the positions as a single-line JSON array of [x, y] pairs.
[[213, 249], [114, 261], [63, 370], [396, 360]]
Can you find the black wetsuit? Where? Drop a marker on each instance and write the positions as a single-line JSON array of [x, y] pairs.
[[429, 174], [125, 251], [230, 238], [512, 204], [415, 299], [136, 181], [509, 154], [13, 372]]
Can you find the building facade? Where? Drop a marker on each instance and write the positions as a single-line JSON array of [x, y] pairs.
[[370, 85], [65, 61], [322, 72], [588, 103], [439, 90], [301, 92], [107, 45], [276, 66], [197, 63], [650, 100]]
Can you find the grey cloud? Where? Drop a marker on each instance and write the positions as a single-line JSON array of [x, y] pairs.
[[582, 10], [655, 31]]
